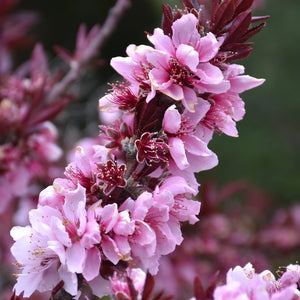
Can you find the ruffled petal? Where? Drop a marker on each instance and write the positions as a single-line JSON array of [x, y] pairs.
[[177, 152], [185, 30], [188, 56]]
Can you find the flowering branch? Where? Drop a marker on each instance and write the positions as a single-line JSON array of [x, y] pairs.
[[96, 41]]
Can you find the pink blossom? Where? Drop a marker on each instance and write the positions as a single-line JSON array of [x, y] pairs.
[[181, 63], [119, 282], [228, 108], [188, 146], [244, 283]]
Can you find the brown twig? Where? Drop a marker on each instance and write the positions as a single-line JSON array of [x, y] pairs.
[[108, 27]]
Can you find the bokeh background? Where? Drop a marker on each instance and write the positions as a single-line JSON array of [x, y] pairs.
[[267, 153]]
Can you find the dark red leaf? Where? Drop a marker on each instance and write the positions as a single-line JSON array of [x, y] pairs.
[[239, 27], [239, 54], [210, 290], [243, 5], [167, 20], [132, 290], [199, 291], [260, 18], [187, 3], [252, 32], [48, 112], [223, 16], [214, 6], [63, 53], [148, 287], [236, 46], [38, 63]]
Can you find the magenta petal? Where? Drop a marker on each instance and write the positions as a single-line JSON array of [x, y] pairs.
[[243, 83], [92, 264], [172, 120], [207, 47], [188, 56], [185, 30], [177, 151]]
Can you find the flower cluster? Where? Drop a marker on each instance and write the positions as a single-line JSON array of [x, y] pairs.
[[244, 283], [123, 200]]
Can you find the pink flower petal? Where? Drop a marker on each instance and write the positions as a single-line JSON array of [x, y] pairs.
[[75, 257], [207, 47], [243, 83], [162, 41], [174, 91], [177, 152], [188, 56], [110, 249], [190, 99], [185, 30], [195, 146], [209, 73], [172, 120], [160, 79], [159, 59], [92, 264]]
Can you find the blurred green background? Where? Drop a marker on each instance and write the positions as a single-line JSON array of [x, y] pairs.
[[267, 153]]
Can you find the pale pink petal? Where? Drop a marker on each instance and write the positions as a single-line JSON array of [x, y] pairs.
[[207, 47], [75, 257], [218, 88], [188, 56], [159, 59], [160, 79], [141, 206], [72, 200], [110, 249], [185, 30], [69, 279], [202, 163], [28, 283], [190, 99], [195, 146], [109, 216], [161, 41], [124, 225], [177, 152], [123, 246], [209, 73], [59, 231], [201, 108], [126, 67], [172, 120], [177, 185], [174, 91], [59, 249], [100, 286], [92, 263], [243, 83]]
